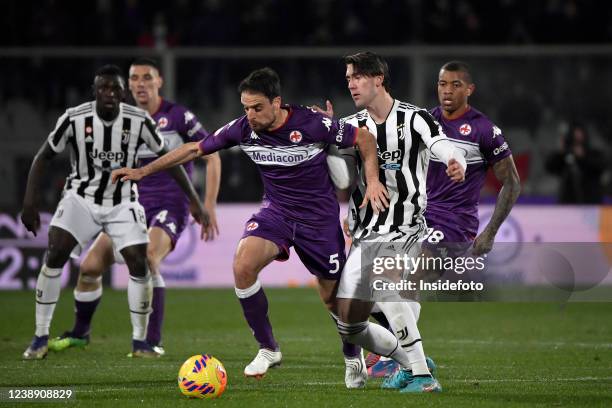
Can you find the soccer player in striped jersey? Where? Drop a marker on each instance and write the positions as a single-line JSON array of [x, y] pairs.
[[300, 209], [405, 135], [166, 208], [452, 211], [102, 135]]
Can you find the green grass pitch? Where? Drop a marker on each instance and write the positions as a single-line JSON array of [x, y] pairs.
[[489, 354]]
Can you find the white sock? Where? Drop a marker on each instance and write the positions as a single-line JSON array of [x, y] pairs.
[[403, 324], [158, 281], [248, 292], [87, 296], [139, 299], [48, 288], [375, 338]]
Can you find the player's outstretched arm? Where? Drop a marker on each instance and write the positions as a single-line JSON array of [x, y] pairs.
[[213, 182], [376, 194], [506, 173], [29, 215], [180, 155], [328, 105]]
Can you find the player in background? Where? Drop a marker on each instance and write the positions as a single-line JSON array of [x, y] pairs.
[[405, 135], [102, 135], [166, 208], [452, 208], [299, 209]]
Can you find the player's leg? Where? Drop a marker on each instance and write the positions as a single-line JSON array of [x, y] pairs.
[[72, 225], [87, 293], [252, 255], [48, 287], [160, 245], [126, 226], [321, 250]]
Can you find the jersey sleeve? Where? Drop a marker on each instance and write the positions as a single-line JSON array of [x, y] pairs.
[[427, 127], [334, 131], [493, 145], [151, 136], [191, 128], [226, 136], [63, 130]]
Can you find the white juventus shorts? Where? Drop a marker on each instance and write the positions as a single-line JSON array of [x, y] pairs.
[[124, 223], [355, 282]]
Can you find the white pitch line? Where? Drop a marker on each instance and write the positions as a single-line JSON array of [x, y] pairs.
[[522, 343]]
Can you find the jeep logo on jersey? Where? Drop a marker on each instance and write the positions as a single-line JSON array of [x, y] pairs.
[[465, 129], [500, 149], [390, 155], [110, 156], [295, 136]]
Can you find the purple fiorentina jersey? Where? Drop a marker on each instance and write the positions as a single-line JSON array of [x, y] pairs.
[[483, 144], [292, 161], [177, 125]]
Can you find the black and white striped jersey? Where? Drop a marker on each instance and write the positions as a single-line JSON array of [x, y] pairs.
[[403, 140], [98, 147]]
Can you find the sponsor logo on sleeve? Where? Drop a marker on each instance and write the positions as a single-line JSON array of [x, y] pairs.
[[500, 149], [252, 226]]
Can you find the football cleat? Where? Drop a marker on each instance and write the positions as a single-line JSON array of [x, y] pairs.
[[371, 359], [422, 384], [398, 380], [383, 368], [264, 360], [142, 349], [159, 349], [356, 373], [37, 350], [67, 340]]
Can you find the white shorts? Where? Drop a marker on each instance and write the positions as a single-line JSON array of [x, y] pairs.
[[124, 223], [357, 282]]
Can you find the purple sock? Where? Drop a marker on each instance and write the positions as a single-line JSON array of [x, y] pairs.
[[156, 318], [350, 350], [255, 309], [84, 314]]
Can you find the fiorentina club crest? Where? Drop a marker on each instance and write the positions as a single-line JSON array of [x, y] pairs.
[[252, 226], [162, 122], [465, 129], [295, 136]]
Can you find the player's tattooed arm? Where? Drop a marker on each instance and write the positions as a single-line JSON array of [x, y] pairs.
[[29, 215], [506, 173], [376, 194]]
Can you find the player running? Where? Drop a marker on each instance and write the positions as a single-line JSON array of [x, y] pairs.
[[103, 135], [166, 208], [299, 209]]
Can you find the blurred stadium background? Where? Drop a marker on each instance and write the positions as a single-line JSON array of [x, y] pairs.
[[539, 67]]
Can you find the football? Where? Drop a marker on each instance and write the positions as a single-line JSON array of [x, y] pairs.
[[202, 376]]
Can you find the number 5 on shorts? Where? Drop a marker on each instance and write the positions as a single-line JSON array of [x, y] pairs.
[[333, 260]]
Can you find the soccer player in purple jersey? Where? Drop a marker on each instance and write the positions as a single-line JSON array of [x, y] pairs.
[[299, 208], [166, 209], [452, 209]]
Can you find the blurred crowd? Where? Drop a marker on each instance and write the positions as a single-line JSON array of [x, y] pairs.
[[314, 22]]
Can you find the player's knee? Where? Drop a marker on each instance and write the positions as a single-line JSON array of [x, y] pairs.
[[244, 272], [88, 283], [153, 257], [136, 260], [57, 256]]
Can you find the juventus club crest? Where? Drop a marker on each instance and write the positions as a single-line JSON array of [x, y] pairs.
[[125, 136]]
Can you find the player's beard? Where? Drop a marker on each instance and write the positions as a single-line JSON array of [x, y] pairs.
[[264, 126]]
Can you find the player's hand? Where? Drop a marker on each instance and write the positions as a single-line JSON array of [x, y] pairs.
[[213, 229], [377, 195], [30, 218], [455, 171], [483, 243], [345, 227], [126, 174], [200, 215], [330, 109]]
